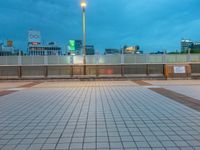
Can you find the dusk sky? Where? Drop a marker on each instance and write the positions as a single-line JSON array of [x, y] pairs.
[[152, 24]]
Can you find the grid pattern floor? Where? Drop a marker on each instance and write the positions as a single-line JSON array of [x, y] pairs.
[[191, 91], [101, 115]]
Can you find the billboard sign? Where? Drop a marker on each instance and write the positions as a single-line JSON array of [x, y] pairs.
[[10, 43], [72, 45], [34, 37]]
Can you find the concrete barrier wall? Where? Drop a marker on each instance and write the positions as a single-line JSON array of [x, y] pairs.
[[74, 71], [96, 71]]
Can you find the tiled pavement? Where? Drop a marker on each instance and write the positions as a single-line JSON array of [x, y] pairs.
[[95, 115], [189, 88]]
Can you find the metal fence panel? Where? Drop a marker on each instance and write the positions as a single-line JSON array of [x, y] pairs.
[[135, 69], [8, 71], [32, 71], [155, 69], [109, 70], [92, 70], [59, 71], [195, 68]]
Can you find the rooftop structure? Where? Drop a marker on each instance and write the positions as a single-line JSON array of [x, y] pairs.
[[36, 48], [112, 51], [188, 45]]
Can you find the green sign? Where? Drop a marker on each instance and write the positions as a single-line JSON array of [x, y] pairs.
[[72, 44]]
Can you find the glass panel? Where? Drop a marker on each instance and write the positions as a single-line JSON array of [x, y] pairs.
[[93, 59], [27, 60], [3, 60], [78, 59], [110, 59], [195, 57], [12, 60], [155, 58]]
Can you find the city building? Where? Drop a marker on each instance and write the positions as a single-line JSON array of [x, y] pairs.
[[36, 48], [7, 49], [196, 46], [111, 51], [131, 49], [188, 45], [90, 50], [75, 47]]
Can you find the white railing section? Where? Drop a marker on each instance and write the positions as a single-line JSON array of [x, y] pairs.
[[99, 59]]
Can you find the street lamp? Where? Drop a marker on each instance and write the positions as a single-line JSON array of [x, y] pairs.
[[83, 6]]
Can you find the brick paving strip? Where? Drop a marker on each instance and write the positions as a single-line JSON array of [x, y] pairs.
[[183, 99], [142, 83], [7, 92], [29, 85], [3, 93]]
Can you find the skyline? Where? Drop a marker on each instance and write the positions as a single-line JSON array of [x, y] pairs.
[[156, 26]]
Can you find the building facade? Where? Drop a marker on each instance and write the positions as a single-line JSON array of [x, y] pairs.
[[36, 48], [188, 45], [75, 47], [90, 50], [8, 49], [131, 49], [111, 51]]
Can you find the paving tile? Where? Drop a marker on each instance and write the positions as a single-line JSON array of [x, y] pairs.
[[95, 115], [63, 146]]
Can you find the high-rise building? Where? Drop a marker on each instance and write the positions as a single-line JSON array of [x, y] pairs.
[[7, 49], [188, 45], [131, 49], [36, 48], [196, 46], [111, 51], [90, 50], [75, 47]]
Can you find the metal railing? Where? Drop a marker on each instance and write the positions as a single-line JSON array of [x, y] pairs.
[[99, 59]]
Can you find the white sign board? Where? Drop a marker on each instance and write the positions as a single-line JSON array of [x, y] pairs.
[[34, 37], [179, 69]]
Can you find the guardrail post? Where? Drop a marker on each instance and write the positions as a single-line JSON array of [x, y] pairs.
[[97, 71], [122, 70], [19, 69], [45, 72], [6, 60], [146, 58], [71, 71], [147, 69]]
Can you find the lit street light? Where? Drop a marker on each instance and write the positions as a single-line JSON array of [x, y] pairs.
[[83, 6]]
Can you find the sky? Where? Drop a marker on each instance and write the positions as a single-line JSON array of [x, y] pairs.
[[151, 24]]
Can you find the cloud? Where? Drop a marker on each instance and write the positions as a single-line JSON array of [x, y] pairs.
[[153, 24]]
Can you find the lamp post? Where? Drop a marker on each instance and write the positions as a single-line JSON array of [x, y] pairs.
[[83, 6]]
